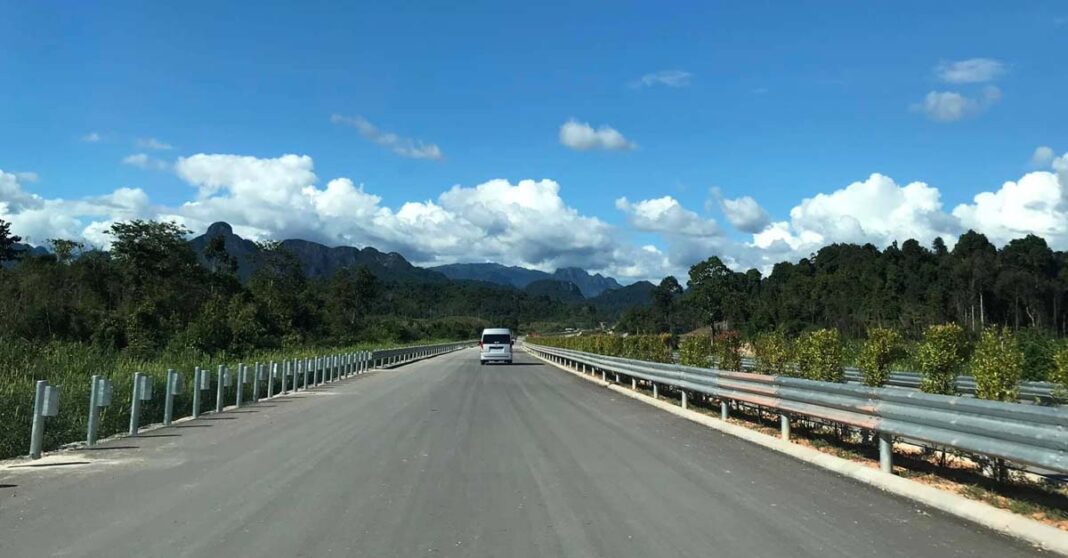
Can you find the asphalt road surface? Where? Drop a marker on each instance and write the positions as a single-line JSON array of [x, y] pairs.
[[447, 458]]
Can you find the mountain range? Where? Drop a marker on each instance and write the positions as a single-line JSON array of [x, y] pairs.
[[520, 277], [568, 284]]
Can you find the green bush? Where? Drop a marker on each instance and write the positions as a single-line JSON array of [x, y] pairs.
[[940, 356], [882, 348], [1059, 375], [1038, 347], [696, 350], [727, 347], [774, 353], [819, 356], [997, 365]]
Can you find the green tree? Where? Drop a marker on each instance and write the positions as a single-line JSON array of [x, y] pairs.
[[1059, 376], [710, 287], [695, 350], [881, 349], [997, 365], [66, 251], [7, 242], [941, 356], [664, 303], [727, 348], [774, 354], [819, 356], [218, 257]]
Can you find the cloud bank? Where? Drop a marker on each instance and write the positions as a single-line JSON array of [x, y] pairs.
[[529, 223]]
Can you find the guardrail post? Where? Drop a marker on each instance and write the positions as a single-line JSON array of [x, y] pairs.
[[886, 452], [142, 391], [257, 375], [683, 392], [168, 396], [219, 388], [784, 427], [94, 416], [656, 392], [634, 383], [604, 377], [197, 382], [45, 404], [241, 378], [304, 368], [724, 410], [272, 370], [286, 372]]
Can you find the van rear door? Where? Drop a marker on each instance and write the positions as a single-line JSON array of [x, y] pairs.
[[497, 343]]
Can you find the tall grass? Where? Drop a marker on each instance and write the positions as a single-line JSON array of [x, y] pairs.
[[70, 365]]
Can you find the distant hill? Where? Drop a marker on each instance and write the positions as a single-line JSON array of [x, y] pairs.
[[564, 291], [316, 260], [26, 249], [520, 277], [617, 300]]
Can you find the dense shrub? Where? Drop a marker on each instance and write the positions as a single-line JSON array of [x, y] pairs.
[[997, 365], [774, 354], [940, 356], [1059, 375], [819, 356], [882, 348], [727, 347], [1038, 348], [695, 350]]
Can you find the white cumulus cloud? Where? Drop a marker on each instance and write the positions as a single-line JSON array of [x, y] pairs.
[[405, 147], [972, 70], [743, 213], [583, 137], [670, 78], [92, 137], [145, 161], [951, 106], [529, 223], [153, 143], [1042, 156]]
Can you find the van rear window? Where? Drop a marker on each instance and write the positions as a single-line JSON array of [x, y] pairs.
[[496, 339]]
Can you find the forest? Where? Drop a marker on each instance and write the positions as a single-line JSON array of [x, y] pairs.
[[851, 288], [150, 294]]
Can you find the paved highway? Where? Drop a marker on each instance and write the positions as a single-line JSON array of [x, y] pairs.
[[447, 458]]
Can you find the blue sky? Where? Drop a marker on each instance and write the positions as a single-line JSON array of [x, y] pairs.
[[776, 101]]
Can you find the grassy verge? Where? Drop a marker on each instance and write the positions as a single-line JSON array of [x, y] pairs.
[[70, 365]]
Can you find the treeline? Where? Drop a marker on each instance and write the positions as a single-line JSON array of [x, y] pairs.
[[852, 288], [149, 295]]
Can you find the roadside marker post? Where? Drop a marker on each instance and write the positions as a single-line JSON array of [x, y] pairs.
[[198, 381], [257, 377], [174, 384], [45, 404], [142, 391], [100, 390], [242, 379], [220, 389], [272, 371]]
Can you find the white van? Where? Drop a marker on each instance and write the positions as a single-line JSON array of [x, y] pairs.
[[495, 345]]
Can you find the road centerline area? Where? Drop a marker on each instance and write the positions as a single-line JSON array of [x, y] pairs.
[[451, 458]]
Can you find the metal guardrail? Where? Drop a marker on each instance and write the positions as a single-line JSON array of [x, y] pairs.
[[1038, 392], [291, 375], [1025, 434]]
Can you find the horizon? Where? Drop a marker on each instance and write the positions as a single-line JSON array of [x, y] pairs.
[[674, 135]]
